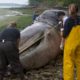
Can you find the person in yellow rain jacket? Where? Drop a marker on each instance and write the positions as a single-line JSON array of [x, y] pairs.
[[71, 36]]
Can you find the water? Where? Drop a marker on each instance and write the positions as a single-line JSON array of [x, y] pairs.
[[11, 5], [8, 6]]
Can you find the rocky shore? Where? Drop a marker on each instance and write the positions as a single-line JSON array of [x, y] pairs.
[[51, 71]]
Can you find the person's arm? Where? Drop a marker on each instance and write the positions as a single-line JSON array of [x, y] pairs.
[[66, 29], [61, 32], [17, 43], [64, 32], [18, 38]]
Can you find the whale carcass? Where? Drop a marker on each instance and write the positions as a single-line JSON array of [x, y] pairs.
[[40, 41]]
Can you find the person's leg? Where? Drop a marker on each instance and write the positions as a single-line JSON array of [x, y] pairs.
[[77, 59], [71, 43], [3, 65], [13, 58], [68, 65]]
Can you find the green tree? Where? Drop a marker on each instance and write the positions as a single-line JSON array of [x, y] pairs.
[[35, 2], [67, 2], [44, 2], [52, 3]]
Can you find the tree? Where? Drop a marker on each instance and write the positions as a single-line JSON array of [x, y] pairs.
[[35, 2], [52, 3], [67, 2], [44, 2]]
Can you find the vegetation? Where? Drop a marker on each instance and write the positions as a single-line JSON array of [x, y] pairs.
[[22, 20], [24, 10], [6, 21], [52, 3], [26, 20], [67, 2]]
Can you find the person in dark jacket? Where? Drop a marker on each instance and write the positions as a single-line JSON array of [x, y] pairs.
[[9, 52]]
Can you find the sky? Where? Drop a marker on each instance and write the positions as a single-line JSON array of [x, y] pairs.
[[15, 1]]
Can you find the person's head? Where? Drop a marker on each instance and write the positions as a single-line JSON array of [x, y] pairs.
[[61, 15], [73, 9], [12, 24]]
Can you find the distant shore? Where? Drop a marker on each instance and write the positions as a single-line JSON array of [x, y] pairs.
[[12, 5]]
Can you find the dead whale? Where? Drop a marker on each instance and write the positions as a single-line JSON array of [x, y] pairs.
[[40, 41]]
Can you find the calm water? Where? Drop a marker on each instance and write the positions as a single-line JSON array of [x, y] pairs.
[[8, 6]]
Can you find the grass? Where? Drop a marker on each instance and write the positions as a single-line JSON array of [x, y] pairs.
[[5, 22], [22, 21], [25, 11]]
